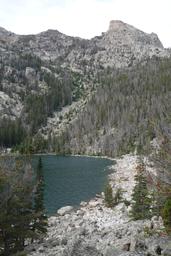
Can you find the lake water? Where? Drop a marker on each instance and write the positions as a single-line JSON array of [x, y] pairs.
[[70, 180]]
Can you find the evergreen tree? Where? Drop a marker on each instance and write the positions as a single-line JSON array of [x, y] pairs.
[[16, 215], [118, 196], [109, 200], [166, 214], [141, 206], [20, 219], [40, 223]]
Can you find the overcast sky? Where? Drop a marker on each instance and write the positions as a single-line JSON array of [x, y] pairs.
[[86, 18]]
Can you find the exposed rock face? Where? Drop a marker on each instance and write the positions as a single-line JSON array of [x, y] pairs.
[[6, 36], [125, 31], [118, 47], [9, 107], [125, 45], [121, 46]]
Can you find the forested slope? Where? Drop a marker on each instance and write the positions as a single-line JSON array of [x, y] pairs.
[[30, 91], [130, 108], [44, 76]]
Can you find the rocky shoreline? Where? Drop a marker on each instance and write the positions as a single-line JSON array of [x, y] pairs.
[[94, 230]]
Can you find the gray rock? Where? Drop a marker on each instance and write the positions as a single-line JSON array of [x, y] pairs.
[[64, 210], [126, 247], [138, 245], [80, 248], [64, 241], [112, 251], [166, 252], [30, 73], [41, 249], [55, 242], [83, 203]]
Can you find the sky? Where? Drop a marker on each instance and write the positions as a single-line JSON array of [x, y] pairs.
[[86, 18]]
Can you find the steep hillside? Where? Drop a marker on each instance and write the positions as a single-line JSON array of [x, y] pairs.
[[130, 108], [41, 74]]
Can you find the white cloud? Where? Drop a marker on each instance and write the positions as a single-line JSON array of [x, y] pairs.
[[86, 18]]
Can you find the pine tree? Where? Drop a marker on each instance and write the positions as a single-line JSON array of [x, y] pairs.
[[118, 196], [20, 219], [109, 200], [16, 215], [166, 214], [40, 223], [141, 206]]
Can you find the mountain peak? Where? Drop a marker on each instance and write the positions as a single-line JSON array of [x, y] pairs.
[[116, 25], [120, 31], [3, 30], [5, 33], [120, 26]]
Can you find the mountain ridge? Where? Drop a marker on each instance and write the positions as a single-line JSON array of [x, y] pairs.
[[113, 25], [121, 45], [50, 71]]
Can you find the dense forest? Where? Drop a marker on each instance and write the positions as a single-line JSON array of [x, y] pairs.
[[130, 108]]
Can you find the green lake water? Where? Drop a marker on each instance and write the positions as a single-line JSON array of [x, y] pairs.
[[70, 180]]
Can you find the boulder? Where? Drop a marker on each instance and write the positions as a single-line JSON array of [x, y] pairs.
[[166, 247], [112, 251], [93, 203], [126, 247], [157, 222], [64, 241], [52, 221], [166, 252], [81, 248], [30, 73], [83, 203], [137, 245], [41, 249], [55, 242], [121, 207], [64, 210]]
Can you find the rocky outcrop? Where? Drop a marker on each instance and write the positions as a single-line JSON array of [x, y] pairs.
[[123, 30], [64, 210], [121, 45], [125, 45]]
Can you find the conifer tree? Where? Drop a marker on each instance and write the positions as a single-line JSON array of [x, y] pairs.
[[16, 214], [141, 206], [166, 214], [20, 219], [109, 200], [41, 219]]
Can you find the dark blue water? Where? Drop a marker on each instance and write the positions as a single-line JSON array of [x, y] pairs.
[[70, 180]]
